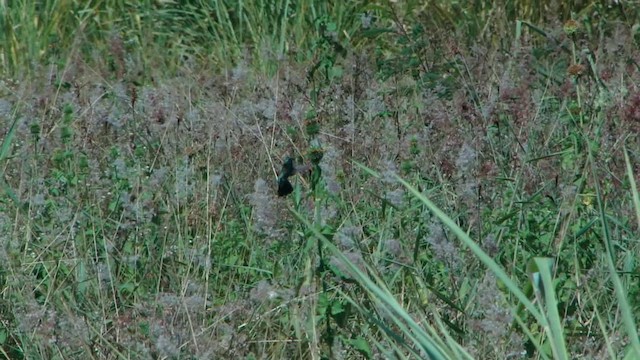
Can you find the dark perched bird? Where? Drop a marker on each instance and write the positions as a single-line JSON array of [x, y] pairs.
[[288, 169]]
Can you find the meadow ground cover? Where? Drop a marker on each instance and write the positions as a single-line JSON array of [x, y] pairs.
[[466, 183]]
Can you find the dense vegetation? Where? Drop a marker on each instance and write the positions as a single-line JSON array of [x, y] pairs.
[[463, 179]]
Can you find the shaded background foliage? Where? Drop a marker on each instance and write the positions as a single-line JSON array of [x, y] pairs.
[[263, 32]]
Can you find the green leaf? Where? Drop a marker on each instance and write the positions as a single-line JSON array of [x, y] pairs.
[[371, 33], [361, 345]]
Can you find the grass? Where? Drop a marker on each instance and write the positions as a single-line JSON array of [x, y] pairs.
[[465, 189]]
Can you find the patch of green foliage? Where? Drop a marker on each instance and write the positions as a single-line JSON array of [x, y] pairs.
[[461, 180]]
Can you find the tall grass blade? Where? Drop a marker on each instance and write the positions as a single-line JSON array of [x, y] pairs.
[[483, 256], [623, 303], [5, 151], [556, 334], [433, 347], [634, 186]]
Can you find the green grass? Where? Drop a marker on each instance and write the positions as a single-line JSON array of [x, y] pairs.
[[466, 183]]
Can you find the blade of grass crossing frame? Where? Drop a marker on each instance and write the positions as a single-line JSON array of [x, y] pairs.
[[433, 347], [625, 309], [634, 186], [555, 331], [482, 256], [4, 153]]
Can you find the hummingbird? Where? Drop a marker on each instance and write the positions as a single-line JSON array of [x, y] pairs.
[[288, 169]]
